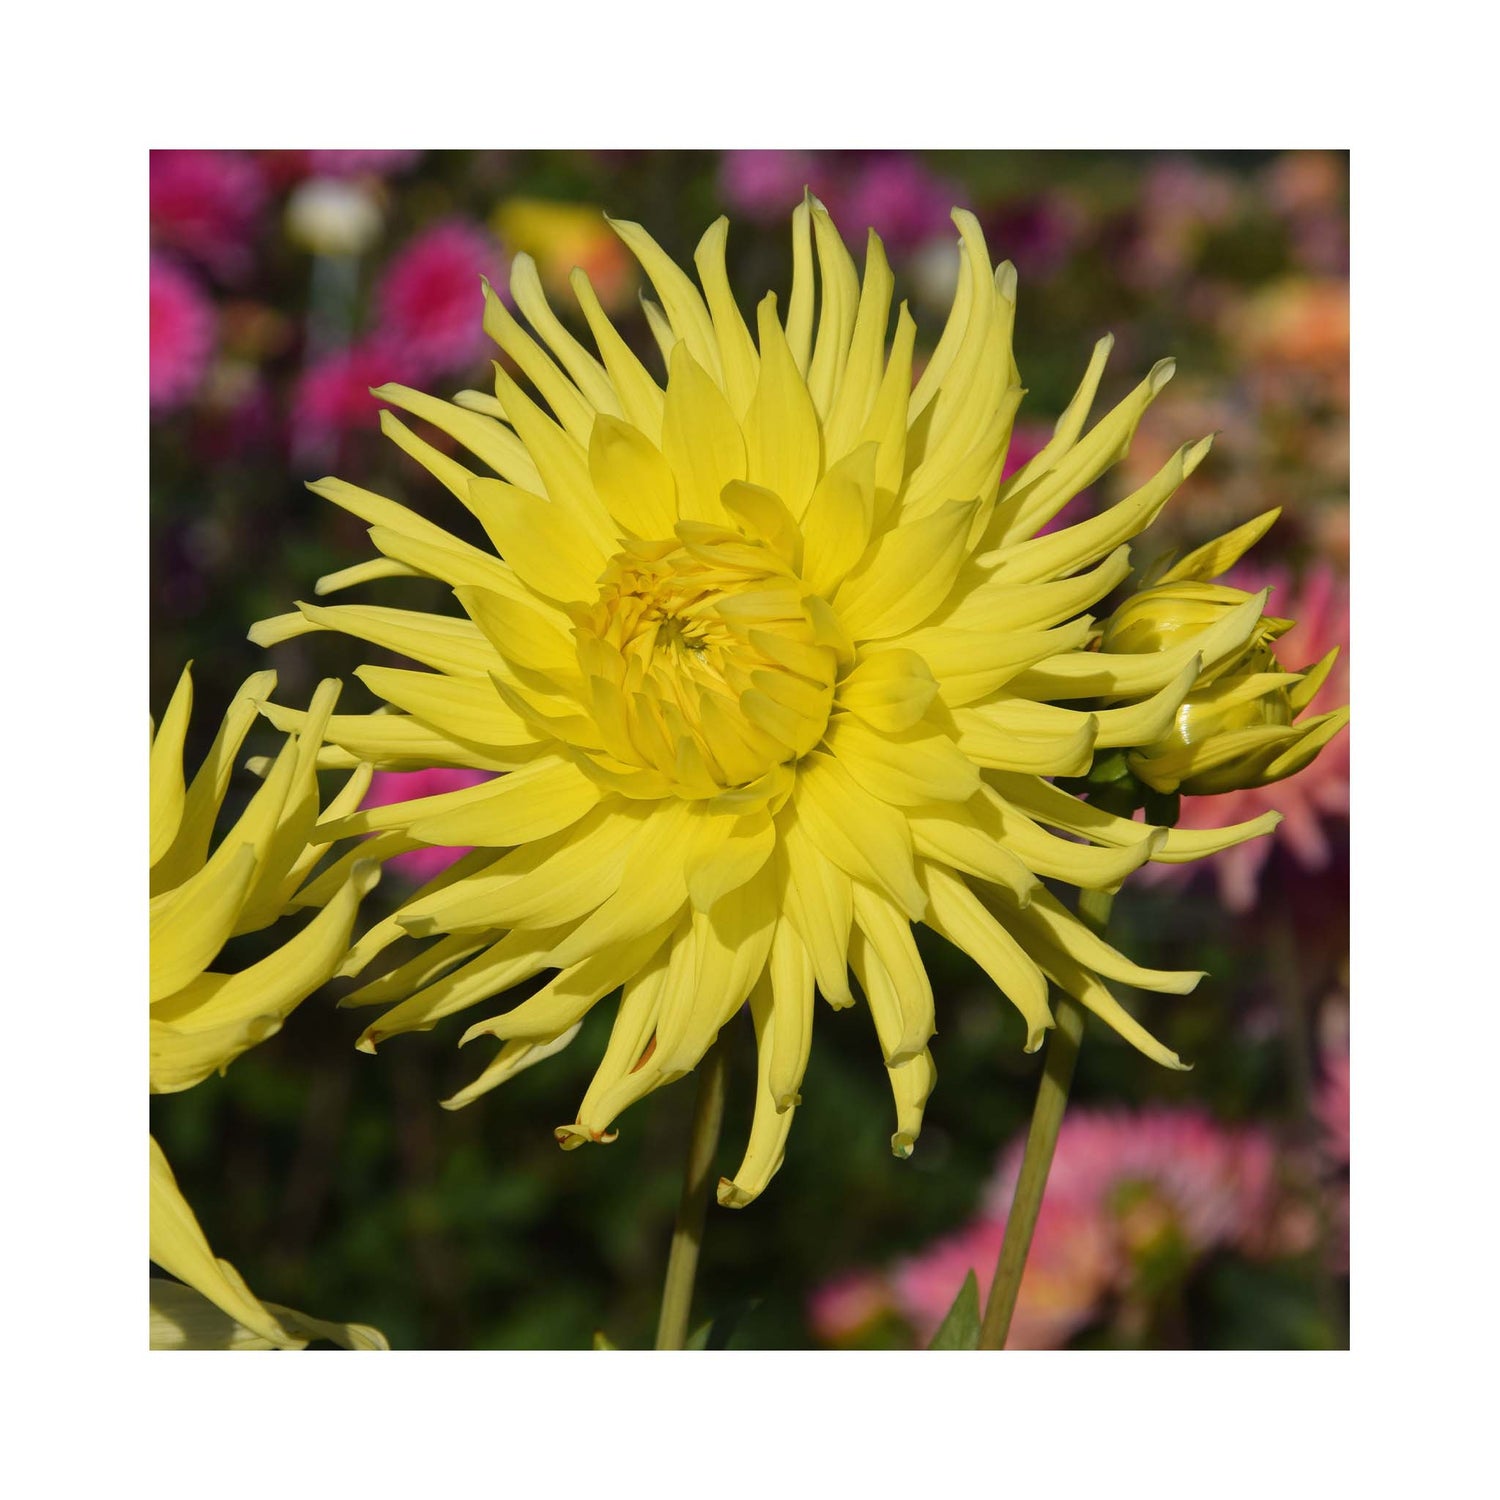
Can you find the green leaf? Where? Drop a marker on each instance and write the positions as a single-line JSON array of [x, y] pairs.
[[960, 1328]]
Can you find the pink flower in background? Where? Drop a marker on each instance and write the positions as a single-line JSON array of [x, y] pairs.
[[429, 298], [766, 185], [182, 335], [898, 197], [1332, 1107], [1213, 1182], [1067, 1275], [1125, 1190], [332, 396], [1315, 794], [841, 1310], [206, 204], [421, 865]]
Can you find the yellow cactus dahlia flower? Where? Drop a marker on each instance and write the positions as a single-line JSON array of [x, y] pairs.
[[201, 1019], [775, 666]]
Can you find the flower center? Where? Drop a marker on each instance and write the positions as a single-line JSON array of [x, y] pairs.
[[701, 662]]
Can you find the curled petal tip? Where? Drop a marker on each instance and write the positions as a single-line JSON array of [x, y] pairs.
[[901, 1144]]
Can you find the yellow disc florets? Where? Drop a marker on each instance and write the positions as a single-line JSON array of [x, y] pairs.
[[702, 662]]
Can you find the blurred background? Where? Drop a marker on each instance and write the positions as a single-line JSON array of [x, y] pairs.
[[1206, 1209]]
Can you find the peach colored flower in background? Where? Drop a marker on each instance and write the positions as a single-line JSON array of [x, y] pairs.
[[206, 205], [1316, 794], [843, 1310], [386, 787], [561, 236], [182, 335], [1294, 335], [429, 299]]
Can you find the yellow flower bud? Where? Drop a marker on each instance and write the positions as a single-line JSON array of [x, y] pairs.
[[1236, 727]]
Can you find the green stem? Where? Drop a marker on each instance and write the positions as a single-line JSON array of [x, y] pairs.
[[692, 1209], [1041, 1143]]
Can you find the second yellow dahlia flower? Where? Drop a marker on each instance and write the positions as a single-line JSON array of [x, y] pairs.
[[775, 666], [202, 1018]]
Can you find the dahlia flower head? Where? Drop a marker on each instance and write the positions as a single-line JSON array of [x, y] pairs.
[[202, 1018], [774, 666]]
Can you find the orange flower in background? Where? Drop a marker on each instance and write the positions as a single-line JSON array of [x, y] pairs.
[[562, 236]]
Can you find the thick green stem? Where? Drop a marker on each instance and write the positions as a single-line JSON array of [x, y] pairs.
[[692, 1209], [1041, 1142]]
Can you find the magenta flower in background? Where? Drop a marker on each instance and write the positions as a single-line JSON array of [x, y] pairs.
[[207, 205], [900, 198], [361, 163], [1319, 792], [429, 298], [421, 865], [765, 186], [332, 396], [1037, 233], [182, 335]]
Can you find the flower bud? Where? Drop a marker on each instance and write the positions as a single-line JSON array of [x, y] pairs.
[[1236, 727]]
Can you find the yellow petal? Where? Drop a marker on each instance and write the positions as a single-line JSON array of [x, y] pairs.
[[889, 690], [907, 768], [906, 575], [700, 439], [766, 1148], [632, 478], [782, 440], [182, 1318], [893, 977], [168, 788], [862, 835], [741, 363], [179, 1247], [839, 519], [550, 551], [957, 914]]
